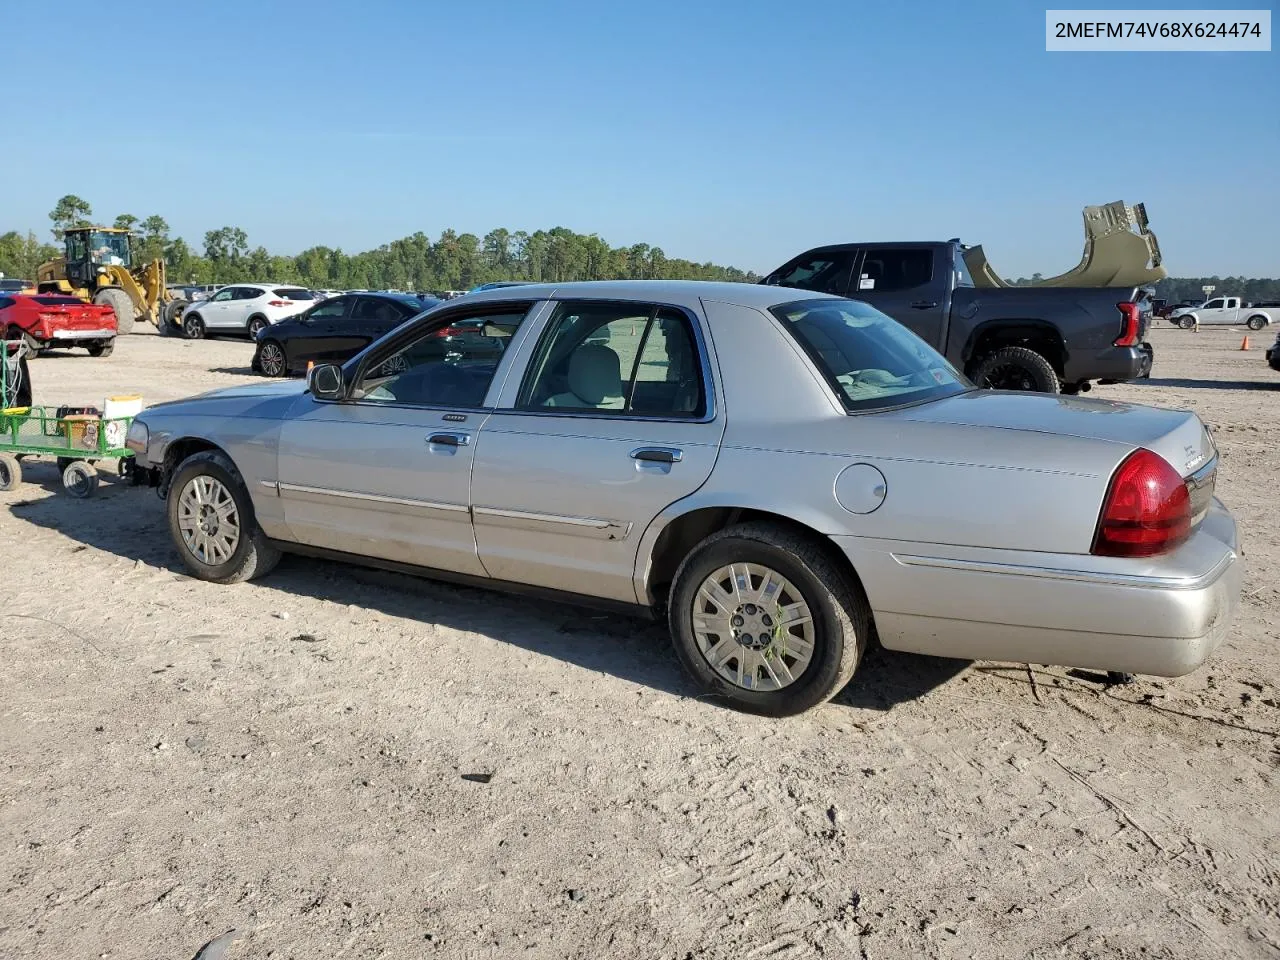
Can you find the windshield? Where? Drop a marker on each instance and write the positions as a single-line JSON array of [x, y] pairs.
[[871, 360], [109, 248]]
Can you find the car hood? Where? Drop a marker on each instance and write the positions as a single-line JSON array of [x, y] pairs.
[[1177, 435], [248, 391]]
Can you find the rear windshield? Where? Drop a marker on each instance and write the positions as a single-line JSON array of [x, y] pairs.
[[870, 360], [294, 293], [56, 301]]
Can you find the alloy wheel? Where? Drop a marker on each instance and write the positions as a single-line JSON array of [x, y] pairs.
[[271, 359]]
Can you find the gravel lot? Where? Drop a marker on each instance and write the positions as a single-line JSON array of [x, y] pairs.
[[344, 763]]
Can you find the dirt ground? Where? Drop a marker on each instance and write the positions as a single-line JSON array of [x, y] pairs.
[[343, 763]]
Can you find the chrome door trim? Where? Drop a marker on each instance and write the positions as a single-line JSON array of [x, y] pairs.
[[371, 498], [1059, 573], [593, 527]]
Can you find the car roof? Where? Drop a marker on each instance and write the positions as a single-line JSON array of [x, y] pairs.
[[685, 293]]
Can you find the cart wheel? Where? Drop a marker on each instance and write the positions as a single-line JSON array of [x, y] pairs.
[[125, 468], [80, 479], [10, 472]]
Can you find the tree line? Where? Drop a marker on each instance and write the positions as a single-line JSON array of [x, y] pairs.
[[453, 261]]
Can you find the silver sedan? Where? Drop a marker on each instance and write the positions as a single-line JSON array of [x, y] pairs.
[[784, 475]]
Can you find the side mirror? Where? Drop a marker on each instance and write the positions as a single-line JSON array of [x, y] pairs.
[[325, 382]]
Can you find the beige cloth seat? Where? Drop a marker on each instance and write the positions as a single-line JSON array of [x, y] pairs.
[[595, 380]]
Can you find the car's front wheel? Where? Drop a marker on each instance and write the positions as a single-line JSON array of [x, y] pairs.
[[764, 617], [1186, 323], [212, 523], [271, 359], [192, 326]]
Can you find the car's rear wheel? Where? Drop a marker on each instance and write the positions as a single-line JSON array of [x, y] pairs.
[[104, 349], [272, 360], [1257, 322], [256, 326], [762, 616], [192, 326], [212, 523], [1016, 368]]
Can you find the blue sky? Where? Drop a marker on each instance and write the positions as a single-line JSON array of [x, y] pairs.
[[740, 132]]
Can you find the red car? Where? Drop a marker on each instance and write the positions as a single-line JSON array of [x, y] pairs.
[[48, 320]]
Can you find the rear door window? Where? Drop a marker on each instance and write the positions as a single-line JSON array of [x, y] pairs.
[[887, 269], [616, 359]]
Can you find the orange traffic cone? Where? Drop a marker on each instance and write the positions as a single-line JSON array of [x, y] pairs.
[[1244, 344]]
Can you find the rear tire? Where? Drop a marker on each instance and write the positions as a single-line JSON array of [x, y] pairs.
[[102, 349], [193, 326], [272, 359], [171, 317], [10, 472], [256, 326], [1016, 368], [121, 305], [1257, 322], [251, 553], [838, 614]]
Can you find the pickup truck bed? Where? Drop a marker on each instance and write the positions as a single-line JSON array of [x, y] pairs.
[[1030, 338]]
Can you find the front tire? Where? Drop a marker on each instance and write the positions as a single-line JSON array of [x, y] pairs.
[[762, 616], [212, 523], [121, 306], [193, 326], [1257, 322], [272, 359], [1186, 323], [1016, 368]]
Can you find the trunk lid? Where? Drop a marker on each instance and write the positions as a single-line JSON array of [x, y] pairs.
[[1177, 435]]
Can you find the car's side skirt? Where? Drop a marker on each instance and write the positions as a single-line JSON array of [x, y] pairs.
[[466, 580]]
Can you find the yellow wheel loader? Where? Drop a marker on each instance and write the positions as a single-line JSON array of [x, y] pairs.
[[98, 268]]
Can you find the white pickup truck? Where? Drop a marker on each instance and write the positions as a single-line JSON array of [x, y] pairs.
[[1227, 311]]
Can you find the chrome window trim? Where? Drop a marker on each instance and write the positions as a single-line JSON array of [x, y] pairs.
[[609, 529]]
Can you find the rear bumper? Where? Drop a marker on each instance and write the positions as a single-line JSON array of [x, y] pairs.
[[1160, 618], [1115, 363], [99, 334]]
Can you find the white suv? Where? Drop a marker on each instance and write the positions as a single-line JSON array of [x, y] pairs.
[[244, 308]]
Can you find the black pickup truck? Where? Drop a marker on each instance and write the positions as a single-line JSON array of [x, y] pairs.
[[1047, 339]]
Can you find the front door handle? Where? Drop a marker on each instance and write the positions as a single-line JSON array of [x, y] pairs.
[[924, 304], [449, 439], [657, 454]]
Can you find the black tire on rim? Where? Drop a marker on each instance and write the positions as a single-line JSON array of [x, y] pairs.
[[1016, 368], [1257, 322], [171, 316], [256, 326], [102, 349], [835, 607], [80, 479], [253, 555], [1187, 322], [121, 305], [192, 326], [272, 359], [10, 472]]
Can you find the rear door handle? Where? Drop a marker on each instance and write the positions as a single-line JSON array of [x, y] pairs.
[[924, 304], [449, 439], [657, 454]]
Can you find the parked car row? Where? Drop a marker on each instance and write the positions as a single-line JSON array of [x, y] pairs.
[[781, 474]]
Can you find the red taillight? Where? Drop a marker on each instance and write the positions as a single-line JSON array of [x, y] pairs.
[[452, 331], [279, 303], [1147, 510], [1130, 326]]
